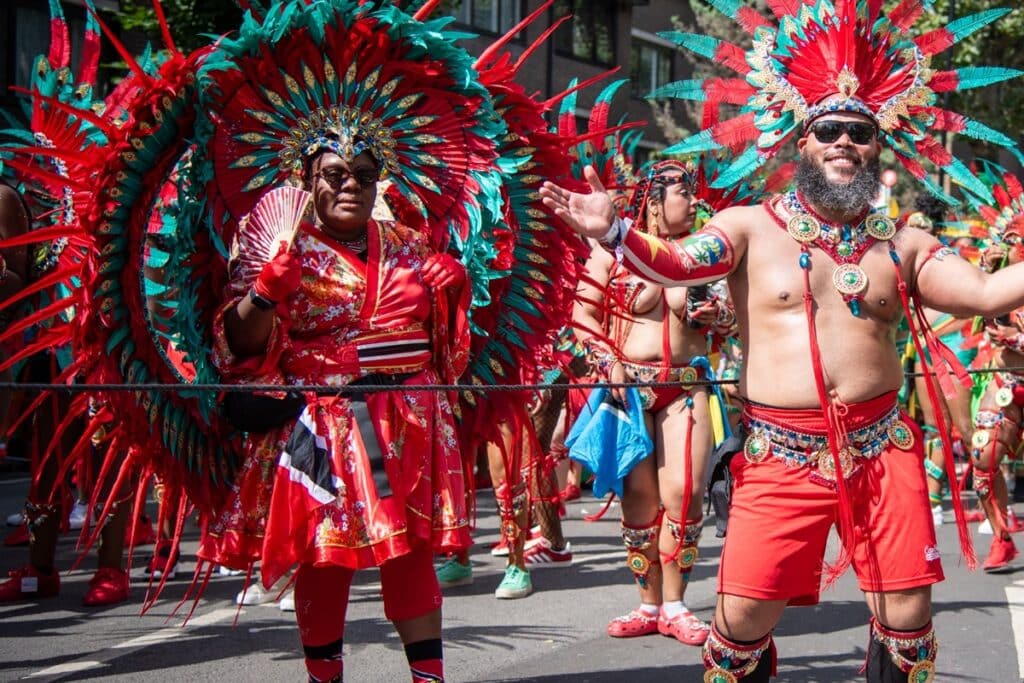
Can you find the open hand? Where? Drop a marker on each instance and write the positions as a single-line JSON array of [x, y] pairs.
[[588, 214]]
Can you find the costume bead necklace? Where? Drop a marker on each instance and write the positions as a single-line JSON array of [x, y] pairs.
[[845, 244]]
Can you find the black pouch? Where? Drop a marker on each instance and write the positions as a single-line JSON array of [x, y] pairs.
[[720, 484], [258, 414]]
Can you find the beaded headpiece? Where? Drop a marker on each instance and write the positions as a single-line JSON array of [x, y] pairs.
[[819, 56]]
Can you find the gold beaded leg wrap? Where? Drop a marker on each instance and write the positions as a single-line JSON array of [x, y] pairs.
[[36, 515], [726, 661], [639, 540], [687, 537], [511, 502], [901, 655]]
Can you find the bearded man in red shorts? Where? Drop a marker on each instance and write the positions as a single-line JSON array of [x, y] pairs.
[[820, 282]]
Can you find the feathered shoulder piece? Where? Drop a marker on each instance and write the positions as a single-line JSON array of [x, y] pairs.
[[817, 56], [348, 76], [1004, 215]]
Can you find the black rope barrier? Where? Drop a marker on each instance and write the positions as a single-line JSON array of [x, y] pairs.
[[373, 388]]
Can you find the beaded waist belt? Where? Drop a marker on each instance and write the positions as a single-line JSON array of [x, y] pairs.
[[803, 449], [656, 372]]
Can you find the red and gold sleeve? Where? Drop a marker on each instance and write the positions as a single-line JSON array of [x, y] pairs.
[[700, 258]]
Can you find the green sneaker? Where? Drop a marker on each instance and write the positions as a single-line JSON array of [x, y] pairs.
[[516, 584], [454, 573]]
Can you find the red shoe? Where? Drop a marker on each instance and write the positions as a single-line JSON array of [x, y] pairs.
[[17, 537], [999, 555], [162, 561], [570, 492], [108, 586], [541, 555], [685, 627], [636, 623], [144, 532], [500, 549], [28, 582]]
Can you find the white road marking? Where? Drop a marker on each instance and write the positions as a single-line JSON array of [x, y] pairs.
[[1015, 601], [98, 659]]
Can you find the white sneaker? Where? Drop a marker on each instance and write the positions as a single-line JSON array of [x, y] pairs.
[[985, 528], [79, 513], [16, 519], [255, 594], [287, 603], [937, 515], [224, 571]]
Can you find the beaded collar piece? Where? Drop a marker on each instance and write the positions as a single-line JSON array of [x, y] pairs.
[[845, 244]]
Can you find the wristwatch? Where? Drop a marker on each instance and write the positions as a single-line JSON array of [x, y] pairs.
[[261, 302]]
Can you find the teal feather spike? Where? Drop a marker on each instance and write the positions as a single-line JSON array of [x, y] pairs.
[[979, 131], [727, 7], [701, 142], [705, 46], [965, 26], [680, 90], [740, 167], [960, 174], [981, 76]]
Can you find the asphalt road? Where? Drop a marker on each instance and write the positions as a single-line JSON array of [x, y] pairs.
[[557, 634]]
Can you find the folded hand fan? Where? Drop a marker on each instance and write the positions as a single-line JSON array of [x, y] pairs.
[[269, 228]]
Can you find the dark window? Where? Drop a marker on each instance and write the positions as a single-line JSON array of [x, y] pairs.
[[589, 35], [490, 16], [650, 67]]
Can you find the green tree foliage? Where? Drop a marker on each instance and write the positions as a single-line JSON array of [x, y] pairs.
[[190, 20]]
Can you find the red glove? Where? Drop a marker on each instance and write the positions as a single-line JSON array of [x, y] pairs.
[[443, 270], [279, 278]]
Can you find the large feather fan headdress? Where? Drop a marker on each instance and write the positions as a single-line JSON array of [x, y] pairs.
[[816, 56]]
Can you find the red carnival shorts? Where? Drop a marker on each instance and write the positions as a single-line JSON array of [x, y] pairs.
[[779, 519]]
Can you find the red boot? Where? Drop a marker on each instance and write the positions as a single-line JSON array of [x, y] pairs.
[[1000, 555], [27, 583], [108, 586]]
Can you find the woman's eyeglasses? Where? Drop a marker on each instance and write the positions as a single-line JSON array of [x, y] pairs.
[[335, 177], [829, 131]]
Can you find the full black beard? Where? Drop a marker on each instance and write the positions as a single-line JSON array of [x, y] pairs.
[[852, 198]]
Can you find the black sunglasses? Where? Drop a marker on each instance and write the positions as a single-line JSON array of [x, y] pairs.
[[829, 131], [335, 177]]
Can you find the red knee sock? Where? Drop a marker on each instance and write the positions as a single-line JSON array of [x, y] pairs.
[[321, 601], [426, 662]]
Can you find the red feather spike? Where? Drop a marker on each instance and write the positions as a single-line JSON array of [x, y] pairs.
[[905, 14], [874, 9], [90, 63], [423, 12], [602, 133], [913, 167], [733, 57], [783, 8], [1013, 185], [555, 99], [737, 131], [165, 30], [60, 41], [83, 114], [934, 42], [750, 19], [485, 57], [948, 121], [122, 50], [934, 151], [1001, 196], [540, 41], [944, 81], [990, 215]]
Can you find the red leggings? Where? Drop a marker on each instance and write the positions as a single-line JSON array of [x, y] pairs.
[[410, 590]]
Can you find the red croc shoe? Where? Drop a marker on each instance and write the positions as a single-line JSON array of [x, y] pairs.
[[141, 533], [636, 623], [1000, 555], [108, 586], [570, 492], [27, 583], [685, 627]]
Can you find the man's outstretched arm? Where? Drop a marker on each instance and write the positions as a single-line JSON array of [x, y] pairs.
[[706, 256]]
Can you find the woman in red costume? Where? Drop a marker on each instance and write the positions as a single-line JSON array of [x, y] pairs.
[[363, 480]]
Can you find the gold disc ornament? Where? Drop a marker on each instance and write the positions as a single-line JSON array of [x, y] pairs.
[[719, 675], [1004, 397], [756, 447], [850, 279], [880, 227], [900, 435], [922, 672], [827, 466], [804, 228], [980, 439]]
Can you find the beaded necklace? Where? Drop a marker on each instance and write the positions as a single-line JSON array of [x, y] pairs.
[[845, 244]]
